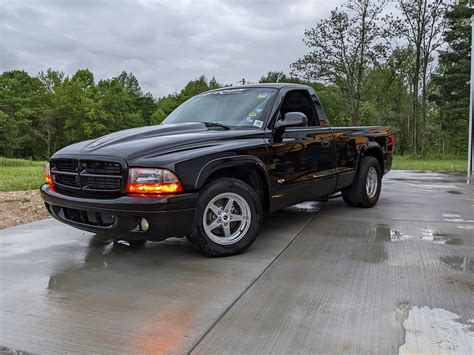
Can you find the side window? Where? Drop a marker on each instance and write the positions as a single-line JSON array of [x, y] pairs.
[[300, 101]]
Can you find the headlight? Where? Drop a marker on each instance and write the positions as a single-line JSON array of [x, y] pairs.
[[152, 181]]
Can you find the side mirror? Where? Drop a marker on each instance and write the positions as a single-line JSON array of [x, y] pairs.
[[292, 119]]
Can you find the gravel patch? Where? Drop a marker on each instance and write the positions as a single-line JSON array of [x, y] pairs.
[[20, 207]]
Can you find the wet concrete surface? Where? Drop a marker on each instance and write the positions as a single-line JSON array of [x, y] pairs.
[[397, 278]]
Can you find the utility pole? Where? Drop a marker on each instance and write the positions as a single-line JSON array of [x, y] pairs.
[[470, 148]]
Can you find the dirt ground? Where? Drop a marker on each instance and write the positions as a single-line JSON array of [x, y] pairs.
[[19, 207]]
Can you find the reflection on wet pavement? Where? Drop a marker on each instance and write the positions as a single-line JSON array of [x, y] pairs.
[[468, 227], [372, 249], [424, 177], [104, 253], [459, 263], [370, 253], [7, 351], [386, 233], [305, 207]]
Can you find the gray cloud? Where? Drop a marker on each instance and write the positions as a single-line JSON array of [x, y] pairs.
[[165, 43]]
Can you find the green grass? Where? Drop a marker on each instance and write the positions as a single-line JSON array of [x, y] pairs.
[[434, 164], [19, 174]]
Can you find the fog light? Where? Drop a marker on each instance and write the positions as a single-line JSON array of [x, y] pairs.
[[144, 225]]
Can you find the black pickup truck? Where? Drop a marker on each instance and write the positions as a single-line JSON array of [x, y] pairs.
[[215, 167]]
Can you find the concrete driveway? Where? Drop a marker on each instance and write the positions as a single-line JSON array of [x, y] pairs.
[[320, 278]]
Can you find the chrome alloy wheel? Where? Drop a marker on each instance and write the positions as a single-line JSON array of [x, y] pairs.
[[372, 182], [227, 218]]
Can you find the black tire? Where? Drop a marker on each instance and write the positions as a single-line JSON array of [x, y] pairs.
[[356, 195], [198, 237]]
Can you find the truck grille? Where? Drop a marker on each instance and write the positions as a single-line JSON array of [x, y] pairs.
[[88, 178], [102, 167], [104, 183], [68, 180], [66, 165]]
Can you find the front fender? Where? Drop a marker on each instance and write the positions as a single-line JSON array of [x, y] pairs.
[[231, 161]]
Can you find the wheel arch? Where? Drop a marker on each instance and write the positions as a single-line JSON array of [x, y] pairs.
[[372, 149], [249, 169]]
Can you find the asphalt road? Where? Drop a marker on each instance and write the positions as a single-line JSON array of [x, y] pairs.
[[397, 278]]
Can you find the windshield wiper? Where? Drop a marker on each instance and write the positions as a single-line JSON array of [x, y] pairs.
[[216, 124]]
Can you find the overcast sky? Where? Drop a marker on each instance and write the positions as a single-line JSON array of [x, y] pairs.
[[165, 43]]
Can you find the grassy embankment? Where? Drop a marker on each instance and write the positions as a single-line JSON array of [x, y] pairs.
[[434, 164], [19, 174]]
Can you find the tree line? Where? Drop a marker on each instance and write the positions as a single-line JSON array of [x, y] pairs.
[[43, 113], [409, 71]]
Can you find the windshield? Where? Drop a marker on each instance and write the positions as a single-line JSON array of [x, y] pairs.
[[231, 107]]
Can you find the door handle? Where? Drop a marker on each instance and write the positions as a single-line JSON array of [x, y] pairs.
[[325, 143]]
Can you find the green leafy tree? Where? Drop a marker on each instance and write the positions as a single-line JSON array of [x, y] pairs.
[[451, 81], [279, 77], [421, 25], [167, 104], [158, 116], [342, 49], [20, 97]]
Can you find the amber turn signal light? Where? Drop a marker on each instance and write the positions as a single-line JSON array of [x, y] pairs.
[[47, 176]]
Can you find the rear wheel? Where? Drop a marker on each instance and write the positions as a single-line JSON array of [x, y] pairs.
[[365, 189], [228, 218]]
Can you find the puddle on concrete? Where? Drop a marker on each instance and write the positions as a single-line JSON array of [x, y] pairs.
[[468, 227], [454, 192], [455, 281], [386, 234], [428, 179], [304, 207], [382, 233], [451, 215], [105, 255], [458, 220], [437, 331], [370, 253], [8, 351], [436, 186], [373, 250], [459, 263]]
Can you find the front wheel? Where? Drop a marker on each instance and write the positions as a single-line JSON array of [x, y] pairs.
[[228, 218], [365, 189]]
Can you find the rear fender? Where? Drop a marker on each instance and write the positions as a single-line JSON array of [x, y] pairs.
[[371, 149]]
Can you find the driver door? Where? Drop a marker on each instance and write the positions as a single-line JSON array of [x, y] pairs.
[[301, 159]]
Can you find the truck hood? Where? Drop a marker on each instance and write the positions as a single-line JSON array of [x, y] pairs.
[[152, 141]]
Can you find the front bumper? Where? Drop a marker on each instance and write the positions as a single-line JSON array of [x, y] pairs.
[[168, 216]]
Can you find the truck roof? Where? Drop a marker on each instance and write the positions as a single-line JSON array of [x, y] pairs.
[[266, 85]]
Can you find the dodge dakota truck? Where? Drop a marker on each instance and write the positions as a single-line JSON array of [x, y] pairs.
[[215, 167]]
